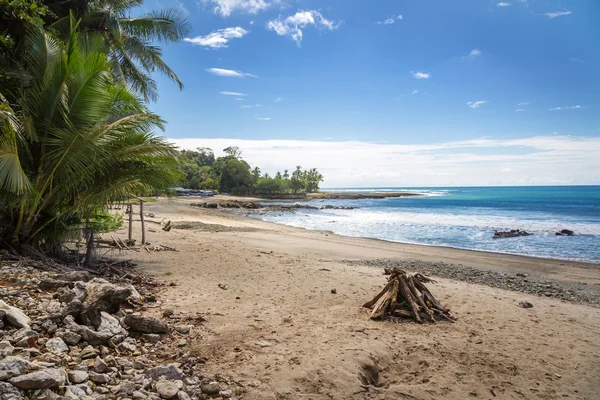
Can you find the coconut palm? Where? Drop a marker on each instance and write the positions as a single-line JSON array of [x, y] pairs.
[[72, 140], [130, 40]]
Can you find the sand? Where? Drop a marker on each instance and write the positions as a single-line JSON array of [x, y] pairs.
[[282, 333]]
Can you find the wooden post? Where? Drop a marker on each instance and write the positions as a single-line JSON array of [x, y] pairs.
[[143, 225], [129, 237]]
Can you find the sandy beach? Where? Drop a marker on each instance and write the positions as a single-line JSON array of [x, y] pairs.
[[280, 331]]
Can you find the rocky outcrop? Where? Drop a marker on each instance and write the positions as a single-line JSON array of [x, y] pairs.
[[565, 232], [510, 234]]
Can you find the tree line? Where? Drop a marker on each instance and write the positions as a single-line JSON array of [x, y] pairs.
[[75, 130], [231, 174]]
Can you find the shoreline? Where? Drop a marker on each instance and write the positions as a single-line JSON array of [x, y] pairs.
[[266, 294]]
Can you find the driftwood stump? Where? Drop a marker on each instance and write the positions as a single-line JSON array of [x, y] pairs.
[[406, 296]]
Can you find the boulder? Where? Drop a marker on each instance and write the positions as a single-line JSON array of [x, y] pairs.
[[17, 364], [145, 324], [102, 296], [9, 392], [56, 346], [109, 327], [43, 379], [14, 316], [166, 389], [170, 372]]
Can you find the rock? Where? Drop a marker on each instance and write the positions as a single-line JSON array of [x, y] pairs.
[[74, 276], [78, 376], [170, 372], [166, 389], [53, 284], [78, 391], [334, 291], [70, 338], [100, 365], [102, 296], [99, 379], [510, 234], [14, 316], [522, 275], [565, 232], [182, 343], [211, 389], [145, 324], [263, 343], [6, 349], [224, 286], [43, 379], [525, 304], [88, 352], [151, 337], [77, 293], [183, 329], [13, 363], [56, 345], [181, 395], [128, 345], [167, 313], [9, 392], [109, 327]]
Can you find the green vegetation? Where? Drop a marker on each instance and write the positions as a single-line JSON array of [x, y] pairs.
[[75, 131], [231, 174]]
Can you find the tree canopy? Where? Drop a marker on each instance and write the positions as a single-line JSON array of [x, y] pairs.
[[232, 174]]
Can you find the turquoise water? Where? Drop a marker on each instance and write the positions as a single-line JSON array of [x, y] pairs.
[[466, 217]]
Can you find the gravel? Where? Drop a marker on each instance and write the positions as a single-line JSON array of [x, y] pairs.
[[520, 282]]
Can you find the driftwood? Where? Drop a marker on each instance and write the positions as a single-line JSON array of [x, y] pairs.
[[406, 296]]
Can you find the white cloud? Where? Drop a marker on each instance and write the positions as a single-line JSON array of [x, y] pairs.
[[503, 4], [524, 103], [246, 106], [278, 99], [421, 75], [390, 21], [415, 91], [292, 26], [263, 118], [226, 7], [520, 110], [251, 22], [239, 99], [229, 73], [538, 160], [565, 108], [472, 54], [506, 170], [477, 104], [219, 38], [558, 14], [576, 60], [233, 94]]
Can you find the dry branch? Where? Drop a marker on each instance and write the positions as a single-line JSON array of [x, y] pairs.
[[406, 296]]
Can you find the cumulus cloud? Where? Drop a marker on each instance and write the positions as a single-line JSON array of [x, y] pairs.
[[472, 54], [477, 104], [565, 108], [415, 91], [539, 160], [229, 73], [294, 24], [226, 7], [503, 4], [263, 118], [421, 75], [219, 38], [390, 21], [233, 94], [552, 15]]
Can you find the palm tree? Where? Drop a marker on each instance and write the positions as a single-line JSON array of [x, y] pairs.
[[72, 140], [130, 40]]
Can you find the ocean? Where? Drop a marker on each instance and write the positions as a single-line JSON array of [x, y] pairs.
[[467, 217]]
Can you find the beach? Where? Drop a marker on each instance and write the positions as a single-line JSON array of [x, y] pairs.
[[280, 331]]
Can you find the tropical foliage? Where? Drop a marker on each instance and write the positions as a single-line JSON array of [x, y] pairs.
[[72, 138], [232, 174]]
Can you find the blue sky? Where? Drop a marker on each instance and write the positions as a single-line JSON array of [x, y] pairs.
[[396, 77]]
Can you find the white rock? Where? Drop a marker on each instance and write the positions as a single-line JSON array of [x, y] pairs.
[[14, 316], [44, 379], [56, 345], [167, 389], [78, 376]]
